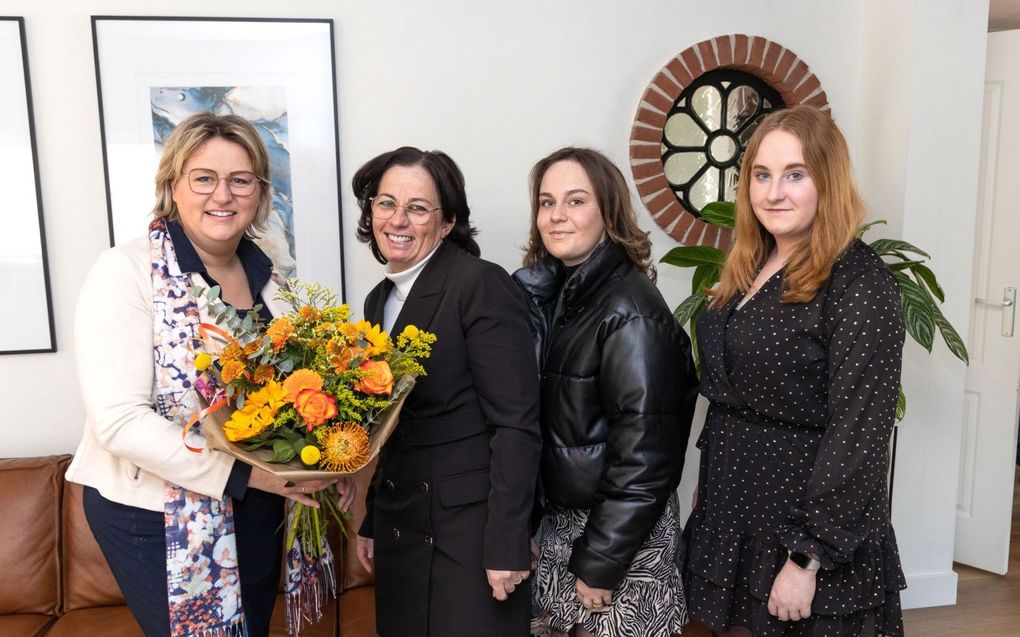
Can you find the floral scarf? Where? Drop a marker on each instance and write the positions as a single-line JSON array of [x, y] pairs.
[[203, 585]]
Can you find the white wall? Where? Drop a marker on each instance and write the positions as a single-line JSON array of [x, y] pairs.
[[498, 85]]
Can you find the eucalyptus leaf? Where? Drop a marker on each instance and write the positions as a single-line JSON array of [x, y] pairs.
[[693, 256], [918, 315], [286, 365], [246, 323], [889, 246], [719, 213], [283, 451], [214, 293], [197, 291], [241, 395]]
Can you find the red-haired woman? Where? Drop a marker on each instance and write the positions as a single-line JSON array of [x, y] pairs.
[[800, 358]]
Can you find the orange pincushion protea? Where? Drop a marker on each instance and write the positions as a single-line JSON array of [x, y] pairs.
[[344, 448]]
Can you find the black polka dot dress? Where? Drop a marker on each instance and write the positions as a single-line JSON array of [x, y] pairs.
[[794, 455]]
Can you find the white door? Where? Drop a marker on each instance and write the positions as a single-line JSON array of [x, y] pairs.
[[990, 427]]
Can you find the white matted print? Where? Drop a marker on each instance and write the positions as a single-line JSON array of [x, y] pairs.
[[26, 322], [279, 74]]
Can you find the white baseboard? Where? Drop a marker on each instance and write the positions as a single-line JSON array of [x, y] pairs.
[[929, 589]]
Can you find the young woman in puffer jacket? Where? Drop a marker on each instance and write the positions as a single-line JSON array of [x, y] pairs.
[[618, 389]]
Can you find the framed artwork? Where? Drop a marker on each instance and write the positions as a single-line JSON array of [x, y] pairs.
[[153, 72], [26, 323]]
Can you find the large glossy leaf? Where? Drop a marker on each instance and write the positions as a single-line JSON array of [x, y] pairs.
[[888, 246], [693, 256], [690, 307], [918, 314], [903, 265], [868, 226], [705, 276], [951, 336], [924, 274], [719, 213]]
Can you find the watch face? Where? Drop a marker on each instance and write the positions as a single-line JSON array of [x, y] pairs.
[[805, 561]]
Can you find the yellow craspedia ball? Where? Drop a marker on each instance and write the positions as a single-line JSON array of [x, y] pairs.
[[310, 454], [202, 362], [410, 332]]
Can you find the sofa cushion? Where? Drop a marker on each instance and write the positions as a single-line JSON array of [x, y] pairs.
[[25, 625], [30, 489], [88, 581], [108, 621]]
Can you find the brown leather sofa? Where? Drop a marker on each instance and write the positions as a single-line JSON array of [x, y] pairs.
[[55, 582]]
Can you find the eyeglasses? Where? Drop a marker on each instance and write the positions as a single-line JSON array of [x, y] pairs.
[[417, 213], [203, 181]]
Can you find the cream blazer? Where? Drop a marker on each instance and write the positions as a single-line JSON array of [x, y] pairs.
[[127, 450]]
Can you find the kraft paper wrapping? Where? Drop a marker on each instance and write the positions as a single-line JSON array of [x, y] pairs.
[[383, 426]]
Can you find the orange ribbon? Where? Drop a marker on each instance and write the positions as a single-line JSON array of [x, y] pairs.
[[220, 402]]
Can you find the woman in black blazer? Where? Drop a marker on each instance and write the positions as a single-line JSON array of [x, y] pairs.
[[447, 528]]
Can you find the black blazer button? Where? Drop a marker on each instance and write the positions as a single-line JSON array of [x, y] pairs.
[[424, 486], [428, 539], [396, 534], [389, 485]]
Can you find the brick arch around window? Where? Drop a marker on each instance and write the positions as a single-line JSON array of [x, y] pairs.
[[773, 63]]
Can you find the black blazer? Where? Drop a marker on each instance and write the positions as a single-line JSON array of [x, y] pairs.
[[459, 473]]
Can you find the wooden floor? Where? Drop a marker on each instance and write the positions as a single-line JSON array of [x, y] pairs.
[[987, 605]]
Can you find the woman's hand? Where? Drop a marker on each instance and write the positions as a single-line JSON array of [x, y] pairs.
[[265, 481], [347, 489], [366, 553], [504, 582], [593, 598], [792, 593]]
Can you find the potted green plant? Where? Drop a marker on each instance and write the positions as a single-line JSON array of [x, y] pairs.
[[919, 288]]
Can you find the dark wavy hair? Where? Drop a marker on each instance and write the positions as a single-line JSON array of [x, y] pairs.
[[446, 176], [613, 199]]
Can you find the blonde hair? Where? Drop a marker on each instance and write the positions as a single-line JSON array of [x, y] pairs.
[[188, 137], [613, 200], [840, 211]]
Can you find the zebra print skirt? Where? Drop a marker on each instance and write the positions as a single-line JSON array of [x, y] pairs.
[[649, 602]]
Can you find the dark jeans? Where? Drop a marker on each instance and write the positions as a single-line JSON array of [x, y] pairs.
[[134, 543]]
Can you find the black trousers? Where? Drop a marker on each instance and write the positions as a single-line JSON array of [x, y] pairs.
[[134, 543]]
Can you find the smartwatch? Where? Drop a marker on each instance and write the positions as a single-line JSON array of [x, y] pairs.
[[805, 561]]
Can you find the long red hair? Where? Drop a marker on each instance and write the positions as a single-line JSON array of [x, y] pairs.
[[840, 211]]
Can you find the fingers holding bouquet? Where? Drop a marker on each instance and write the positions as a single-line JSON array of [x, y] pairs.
[[301, 493]]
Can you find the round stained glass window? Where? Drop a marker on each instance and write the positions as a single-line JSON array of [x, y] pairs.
[[706, 132]]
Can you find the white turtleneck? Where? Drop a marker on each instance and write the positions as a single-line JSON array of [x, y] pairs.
[[403, 281]]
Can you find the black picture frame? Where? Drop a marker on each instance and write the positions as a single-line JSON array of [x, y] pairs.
[[26, 324]]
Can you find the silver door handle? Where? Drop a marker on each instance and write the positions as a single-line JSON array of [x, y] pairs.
[[995, 303], [1008, 305]]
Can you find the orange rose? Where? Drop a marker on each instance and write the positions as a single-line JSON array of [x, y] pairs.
[[378, 380], [301, 379], [315, 407]]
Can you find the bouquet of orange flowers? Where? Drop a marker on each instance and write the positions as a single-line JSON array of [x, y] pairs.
[[314, 395]]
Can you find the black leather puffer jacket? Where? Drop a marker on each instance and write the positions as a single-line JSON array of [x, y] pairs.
[[617, 397]]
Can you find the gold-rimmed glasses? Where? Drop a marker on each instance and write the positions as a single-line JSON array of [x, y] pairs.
[[384, 207], [204, 181]]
